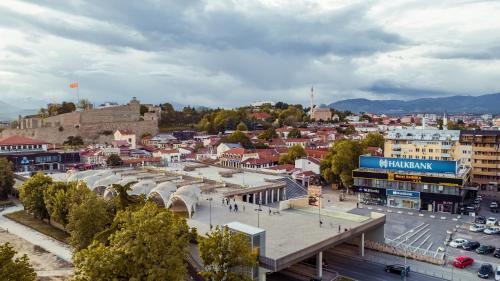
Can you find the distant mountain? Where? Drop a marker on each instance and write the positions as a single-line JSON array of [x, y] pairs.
[[453, 104], [10, 112]]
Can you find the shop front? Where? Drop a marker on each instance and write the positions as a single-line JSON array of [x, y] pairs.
[[403, 199], [442, 203], [371, 195]]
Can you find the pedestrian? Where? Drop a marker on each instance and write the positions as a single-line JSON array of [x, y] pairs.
[[357, 205], [269, 211], [235, 207], [243, 208], [222, 201], [339, 228], [230, 208]]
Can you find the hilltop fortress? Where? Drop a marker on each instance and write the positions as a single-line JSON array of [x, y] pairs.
[[93, 125]]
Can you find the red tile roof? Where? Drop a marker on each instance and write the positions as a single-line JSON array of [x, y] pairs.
[[20, 140]]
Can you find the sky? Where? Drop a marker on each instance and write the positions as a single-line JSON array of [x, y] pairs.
[[223, 53]]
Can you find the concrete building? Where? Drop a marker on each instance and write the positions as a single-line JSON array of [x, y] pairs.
[[431, 144], [127, 136], [485, 159], [432, 185], [321, 114]]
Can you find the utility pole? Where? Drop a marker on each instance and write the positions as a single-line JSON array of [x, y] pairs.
[[258, 215], [210, 202]]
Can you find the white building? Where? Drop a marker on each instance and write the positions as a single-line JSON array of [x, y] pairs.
[[128, 136]]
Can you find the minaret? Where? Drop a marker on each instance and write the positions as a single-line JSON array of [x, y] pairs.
[[312, 102], [445, 122]]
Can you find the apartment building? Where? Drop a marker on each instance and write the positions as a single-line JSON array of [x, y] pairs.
[[485, 159], [427, 144]]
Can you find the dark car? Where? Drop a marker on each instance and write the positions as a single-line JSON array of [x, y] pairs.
[[485, 249], [496, 254], [398, 269], [480, 220], [471, 245], [485, 271]]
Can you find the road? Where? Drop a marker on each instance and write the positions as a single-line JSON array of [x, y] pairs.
[[367, 271]]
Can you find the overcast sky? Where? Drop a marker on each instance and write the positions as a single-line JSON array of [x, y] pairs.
[[227, 53]]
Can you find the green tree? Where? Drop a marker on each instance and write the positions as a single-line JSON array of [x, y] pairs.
[[123, 199], [242, 127], [31, 195], [84, 104], [226, 256], [60, 196], [73, 141], [238, 137], [294, 134], [294, 152], [268, 134], [66, 107], [114, 160], [143, 109], [374, 140], [88, 218], [150, 244], [14, 269], [6, 178], [341, 160]]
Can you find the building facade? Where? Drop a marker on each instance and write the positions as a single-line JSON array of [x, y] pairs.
[[432, 185], [485, 159]]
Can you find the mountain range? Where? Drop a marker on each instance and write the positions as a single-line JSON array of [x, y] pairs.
[[9, 112], [489, 103]]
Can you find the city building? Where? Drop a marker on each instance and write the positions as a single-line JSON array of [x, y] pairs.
[[432, 185], [485, 159], [425, 144], [321, 114], [126, 136]]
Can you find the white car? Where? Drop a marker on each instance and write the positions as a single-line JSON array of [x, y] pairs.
[[458, 242], [477, 227], [491, 221], [492, 230], [497, 273]]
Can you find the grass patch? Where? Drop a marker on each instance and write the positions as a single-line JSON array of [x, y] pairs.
[[30, 221]]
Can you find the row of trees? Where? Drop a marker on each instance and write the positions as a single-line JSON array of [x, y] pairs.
[[128, 237], [6, 178]]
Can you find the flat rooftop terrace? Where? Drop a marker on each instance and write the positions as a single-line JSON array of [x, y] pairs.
[[293, 234]]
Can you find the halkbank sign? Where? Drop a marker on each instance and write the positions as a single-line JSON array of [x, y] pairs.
[[403, 164]]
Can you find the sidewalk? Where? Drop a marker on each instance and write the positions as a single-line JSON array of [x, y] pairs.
[[36, 238], [445, 272]]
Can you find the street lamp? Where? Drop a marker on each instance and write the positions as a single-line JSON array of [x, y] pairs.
[[210, 202], [258, 210]]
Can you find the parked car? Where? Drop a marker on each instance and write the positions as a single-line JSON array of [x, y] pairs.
[[494, 204], [485, 249], [477, 227], [492, 230], [463, 261], [471, 245], [458, 242], [497, 273], [480, 220], [496, 254], [479, 197], [485, 271], [477, 201], [491, 221], [398, 269]]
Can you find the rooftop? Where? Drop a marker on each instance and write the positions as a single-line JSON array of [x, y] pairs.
[[20, 140]]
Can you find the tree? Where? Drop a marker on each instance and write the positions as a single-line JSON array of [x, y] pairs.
[[268, 134], [114, 160], [374, 140], [6, 178], [14, 269], [238, 137], [150, 244], [294, 152], [143, 109], [123, 199], [31, 195], [60, 196], [294, 134], [84, 104], [73, 141], [88, 218], [341, 160], [226, 256], [242, 127], [66, 107]]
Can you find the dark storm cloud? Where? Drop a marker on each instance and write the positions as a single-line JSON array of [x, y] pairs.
[[392, 88]]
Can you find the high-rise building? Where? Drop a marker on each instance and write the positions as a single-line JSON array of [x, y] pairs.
[[485, 159]]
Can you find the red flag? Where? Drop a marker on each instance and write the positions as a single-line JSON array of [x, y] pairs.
[[73, 85]]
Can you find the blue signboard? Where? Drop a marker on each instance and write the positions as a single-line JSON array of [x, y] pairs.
[[403, 193], [413, 165]]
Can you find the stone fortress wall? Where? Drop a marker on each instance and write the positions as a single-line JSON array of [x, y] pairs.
[[94, 125]]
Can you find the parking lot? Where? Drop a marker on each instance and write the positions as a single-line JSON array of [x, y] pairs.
[[426, 232]]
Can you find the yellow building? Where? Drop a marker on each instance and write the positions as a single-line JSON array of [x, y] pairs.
[[429, 144]]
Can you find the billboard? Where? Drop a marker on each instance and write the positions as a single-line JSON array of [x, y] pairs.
[[404, 164], [403, 193]]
